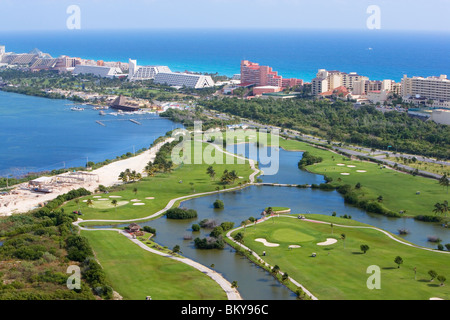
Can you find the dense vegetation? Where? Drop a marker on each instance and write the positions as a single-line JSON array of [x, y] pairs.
[[308, 159], [215, 239], [180, 213], [37, 249], [340, 121]]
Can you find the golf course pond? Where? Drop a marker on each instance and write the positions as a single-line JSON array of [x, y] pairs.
[[254, 282]]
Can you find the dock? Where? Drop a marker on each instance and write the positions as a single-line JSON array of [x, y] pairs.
[[134, 121]]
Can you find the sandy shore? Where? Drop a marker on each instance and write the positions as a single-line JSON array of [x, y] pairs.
[[22, 200]]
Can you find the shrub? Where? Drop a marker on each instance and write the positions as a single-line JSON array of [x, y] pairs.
[[195, 227], [149, 229], [179, 213], [218, 204]]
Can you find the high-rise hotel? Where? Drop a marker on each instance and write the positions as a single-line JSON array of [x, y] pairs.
[[254, 74], [432, 88]]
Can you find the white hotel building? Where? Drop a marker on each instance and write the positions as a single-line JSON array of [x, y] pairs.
[[196, 81], [163, 75], [137, 73], [431, 88]]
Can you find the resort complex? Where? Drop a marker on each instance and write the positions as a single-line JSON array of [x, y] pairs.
[[121, 181]]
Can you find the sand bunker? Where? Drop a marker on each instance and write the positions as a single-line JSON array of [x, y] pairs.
[[293, 246], [435, 298], [150, 198], [84, 200], [267, 244], [96, 196], [351, 166], [340, 164], [362, 171], [115, 196], [138, 204], [103, 199], [345, 173], [328, 242], [135, 200]]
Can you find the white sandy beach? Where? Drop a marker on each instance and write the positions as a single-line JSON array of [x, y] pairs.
[[21, 200]]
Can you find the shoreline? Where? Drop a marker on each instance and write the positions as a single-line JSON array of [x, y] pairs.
[[21, 200]]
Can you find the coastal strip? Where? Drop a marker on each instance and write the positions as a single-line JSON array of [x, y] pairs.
[[23, 200]]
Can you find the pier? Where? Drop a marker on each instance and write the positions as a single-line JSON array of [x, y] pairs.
[[134, 121], [101, 123]]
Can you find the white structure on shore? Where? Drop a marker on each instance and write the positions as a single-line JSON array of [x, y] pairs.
[[99, 71], [136, 73], [441, 116], [330, 80], [196, 81]]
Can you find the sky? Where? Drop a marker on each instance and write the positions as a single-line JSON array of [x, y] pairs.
[[24, 15]]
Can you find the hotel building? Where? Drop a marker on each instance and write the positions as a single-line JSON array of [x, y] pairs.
[[329, 80], [196, 81], [136, 73], [99, 71], [254, 74], [432, 88]]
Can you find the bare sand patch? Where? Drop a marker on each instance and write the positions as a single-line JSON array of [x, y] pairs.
[[266, 243], [329, 241]]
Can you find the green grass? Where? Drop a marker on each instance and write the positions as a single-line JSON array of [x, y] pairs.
[[135, 273], [398, 189], [163, 187], [338, 273], [276, 209]]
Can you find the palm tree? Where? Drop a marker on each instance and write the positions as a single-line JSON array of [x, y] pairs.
[[239, 237], [331, 228], [234, 284], [135, 190], [89, 202], [444, 181], [275, 269], [123, 176], [343, 238], [77, 201], [438, 208]]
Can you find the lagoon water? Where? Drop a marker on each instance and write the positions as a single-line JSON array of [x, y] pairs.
[[38, 134]]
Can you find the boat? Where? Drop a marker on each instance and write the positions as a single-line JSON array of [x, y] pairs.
[[76, 109], [102, 113]]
